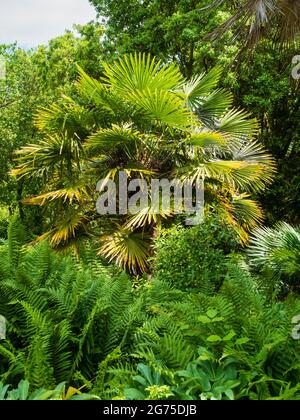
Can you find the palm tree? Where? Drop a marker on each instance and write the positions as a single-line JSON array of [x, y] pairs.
[[143, 118], [279, 19]]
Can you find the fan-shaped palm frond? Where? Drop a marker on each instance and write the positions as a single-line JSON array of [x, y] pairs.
[[150, 216], [200, 86], [279, 19], [128, 248], [244, 215], [277, 249], [75, 193], [69, 117], [111, 137], [207, 140], [57, 153], [237, 124], [163, 106], [240, 175], [140, 72], [67, 229]]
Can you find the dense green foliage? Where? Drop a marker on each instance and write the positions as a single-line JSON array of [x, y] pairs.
[[80, 323], [185, 257]]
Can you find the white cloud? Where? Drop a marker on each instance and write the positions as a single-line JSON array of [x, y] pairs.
[[34, 22]]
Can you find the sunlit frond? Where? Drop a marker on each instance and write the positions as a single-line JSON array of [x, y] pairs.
[[55, 152], [207, 140], [67, 229], [111, 137], [240, 175], [163, 106], [139, 72], [244, 215], [237, 123], [129, 249], [76, 193], [149, 216]]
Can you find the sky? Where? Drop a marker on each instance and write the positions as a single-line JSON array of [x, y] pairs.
[[34, 22]]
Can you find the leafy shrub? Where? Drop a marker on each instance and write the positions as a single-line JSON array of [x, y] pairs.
[[193, 257]]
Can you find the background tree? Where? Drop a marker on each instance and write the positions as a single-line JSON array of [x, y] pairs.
[[33, 78], [168, 29]]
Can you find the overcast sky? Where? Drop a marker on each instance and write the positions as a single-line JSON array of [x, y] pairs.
[[34, 22]]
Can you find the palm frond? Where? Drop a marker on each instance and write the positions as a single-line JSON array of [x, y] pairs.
[[112, 137], [76, 193], [140, 72], [201, 86], [129, 249], [276, 248], [237, 123], [163, 106], [207, 139], [67, 230], [56, 153]]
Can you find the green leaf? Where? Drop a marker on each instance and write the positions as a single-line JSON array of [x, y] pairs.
[[229, 393], [214, 338], [242, 340], [229, 336], [133, 394], [204, 319], [211, 313]]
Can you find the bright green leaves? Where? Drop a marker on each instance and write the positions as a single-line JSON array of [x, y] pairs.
[[214, 339], [237, 123], [211, 319], [140, 72], [163, 106], [111, 137]]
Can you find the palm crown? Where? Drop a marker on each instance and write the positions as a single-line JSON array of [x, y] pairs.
[[278, 18], [145, 119]]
